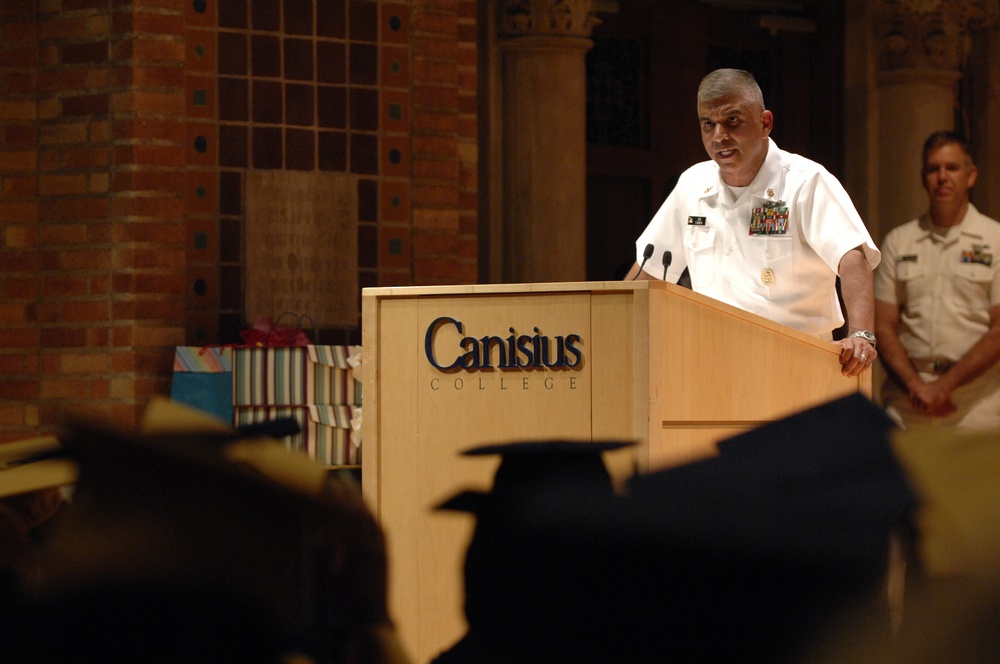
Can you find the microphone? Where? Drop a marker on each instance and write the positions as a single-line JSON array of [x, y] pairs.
[[646, 253], [666, 263]]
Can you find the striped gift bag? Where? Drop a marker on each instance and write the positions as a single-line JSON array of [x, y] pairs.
[[319, 386], [296, 376], [332, 375], [328, 434], [333, 434]]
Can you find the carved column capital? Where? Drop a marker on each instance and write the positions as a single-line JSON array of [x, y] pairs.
[[565, 18], [932, 34]]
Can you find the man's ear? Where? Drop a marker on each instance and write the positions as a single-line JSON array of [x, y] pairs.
[[767, 122], [973, 174]]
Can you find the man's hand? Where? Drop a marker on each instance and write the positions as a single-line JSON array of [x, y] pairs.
[[932, 398], [856, 356]]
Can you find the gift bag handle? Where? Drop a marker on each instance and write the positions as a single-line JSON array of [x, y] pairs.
[[299, 319]]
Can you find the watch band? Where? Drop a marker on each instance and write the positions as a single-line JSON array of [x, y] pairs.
[[866, 335]]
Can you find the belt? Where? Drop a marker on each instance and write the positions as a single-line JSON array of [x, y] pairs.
[[933, 366]]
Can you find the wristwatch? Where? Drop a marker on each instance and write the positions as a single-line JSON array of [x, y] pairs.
[[864, 334]]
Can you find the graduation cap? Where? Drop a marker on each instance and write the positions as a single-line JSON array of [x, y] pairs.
[[167, 503], [530, 468], [34, 464], [355, 591], [516, 574], [952, 598], [823, 484], [740, 557], [255, 446], [243, 521]]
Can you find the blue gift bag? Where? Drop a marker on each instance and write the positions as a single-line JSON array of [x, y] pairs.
[[203, 379]]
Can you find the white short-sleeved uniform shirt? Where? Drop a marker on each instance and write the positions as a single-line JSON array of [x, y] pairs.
[[944, 287], [773, 249]]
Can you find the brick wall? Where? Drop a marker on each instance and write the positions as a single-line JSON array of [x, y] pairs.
[[444, 142], [19, 333], [104, 187], [93, 263]]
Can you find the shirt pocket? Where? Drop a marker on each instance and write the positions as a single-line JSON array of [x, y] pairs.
[[909, 270], [911, 287], [972, 285], [699, 247], [775, 254]]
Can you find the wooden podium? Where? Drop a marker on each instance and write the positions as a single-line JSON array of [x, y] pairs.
[[452, 367]]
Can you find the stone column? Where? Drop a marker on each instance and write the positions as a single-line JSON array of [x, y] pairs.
[[542, 45], [923, 46]]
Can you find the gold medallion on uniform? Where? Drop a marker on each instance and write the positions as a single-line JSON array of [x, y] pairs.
[[767, 276]]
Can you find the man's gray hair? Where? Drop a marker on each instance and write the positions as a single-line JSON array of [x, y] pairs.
[[727, 82], [939, 139]]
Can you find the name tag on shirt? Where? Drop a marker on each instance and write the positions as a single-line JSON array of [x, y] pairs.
[[696, 221]]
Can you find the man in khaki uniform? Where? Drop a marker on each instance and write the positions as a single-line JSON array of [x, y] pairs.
[[937, 302]]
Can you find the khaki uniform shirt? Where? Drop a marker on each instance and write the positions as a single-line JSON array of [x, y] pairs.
[[944, 287]]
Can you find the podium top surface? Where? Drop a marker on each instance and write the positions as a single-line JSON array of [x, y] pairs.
[[489, 289], [602, 287]]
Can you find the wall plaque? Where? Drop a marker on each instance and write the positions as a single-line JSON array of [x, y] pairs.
[[301, 246]]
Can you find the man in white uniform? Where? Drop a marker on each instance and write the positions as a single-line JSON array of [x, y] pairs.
[[763, 229], [937, 307]]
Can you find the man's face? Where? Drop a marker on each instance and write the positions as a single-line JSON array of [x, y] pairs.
[[948, 175], [735, 133]]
